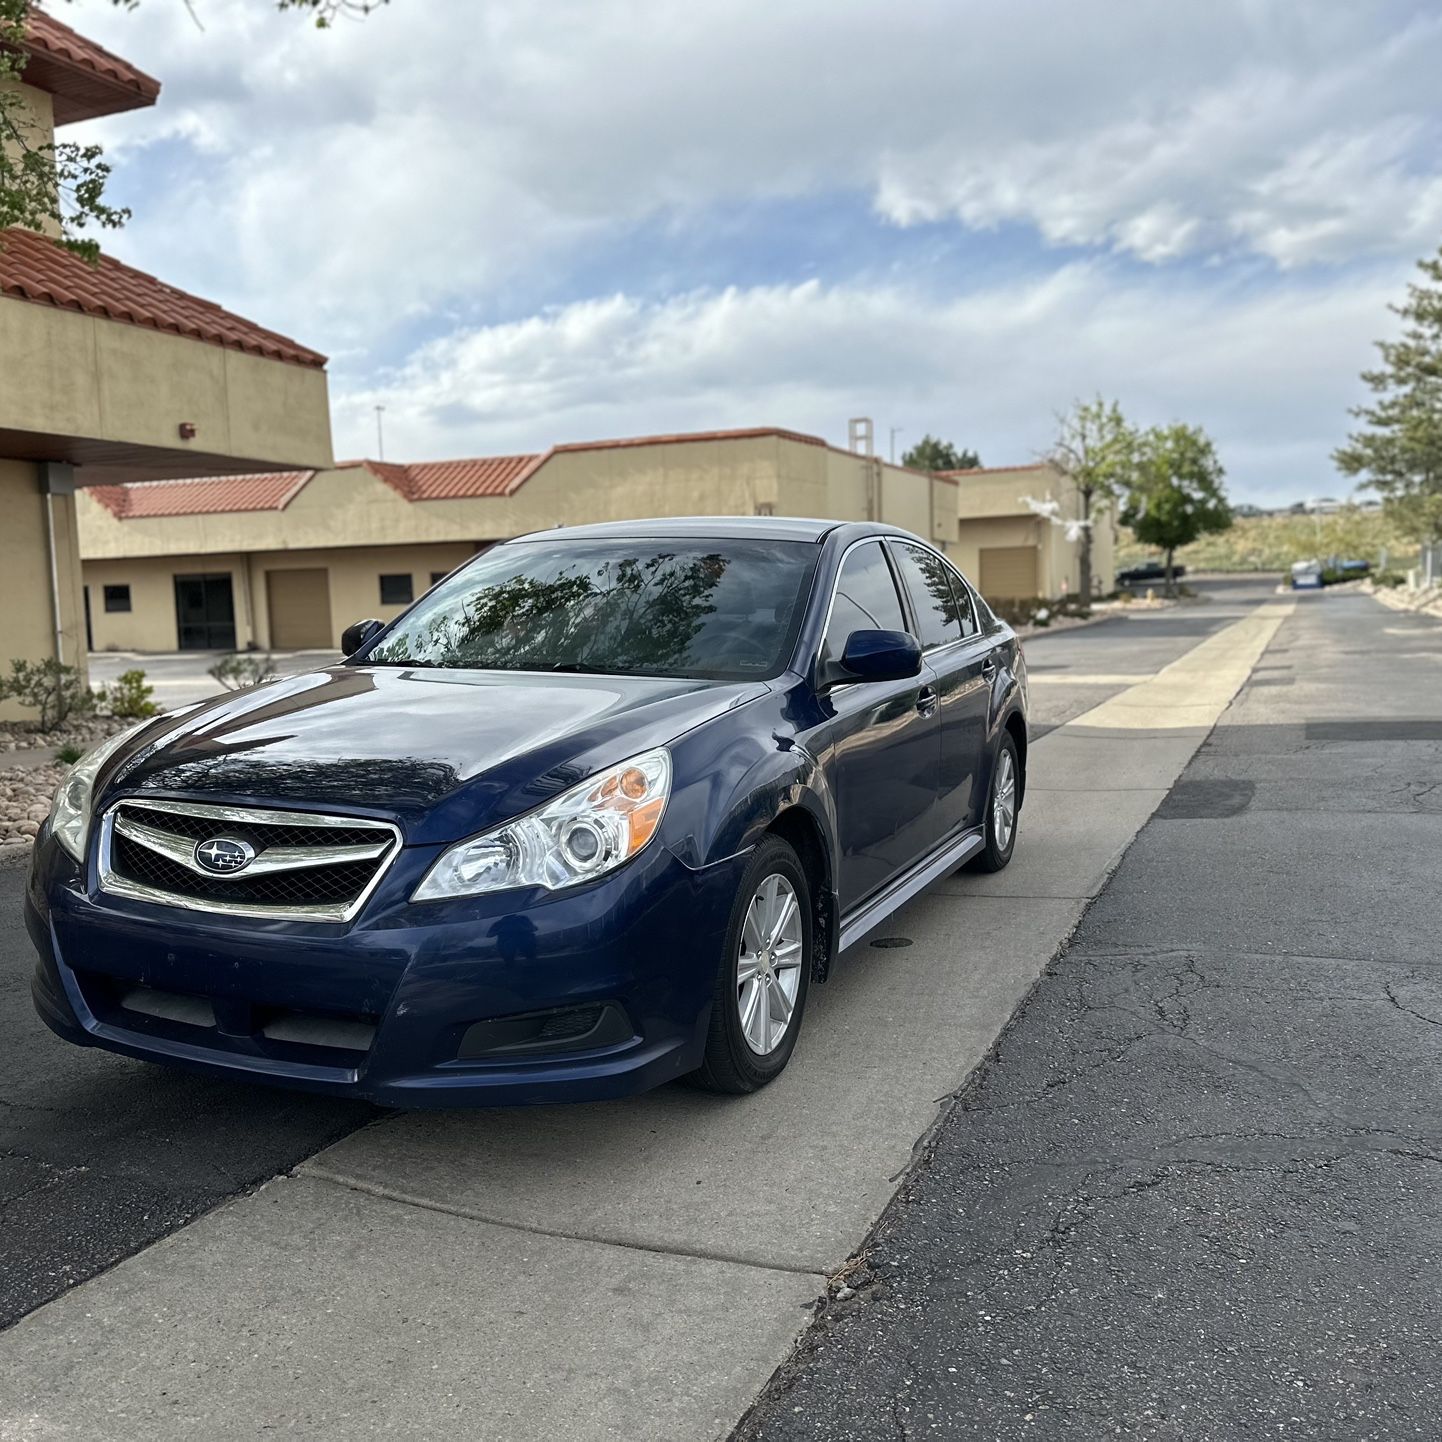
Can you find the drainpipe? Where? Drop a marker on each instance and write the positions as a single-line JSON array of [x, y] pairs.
[[57, 478]]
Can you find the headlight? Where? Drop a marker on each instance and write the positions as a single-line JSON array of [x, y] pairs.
[[70, 811], [583, 833]]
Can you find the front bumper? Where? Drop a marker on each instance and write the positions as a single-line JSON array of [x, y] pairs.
[[412, 991]]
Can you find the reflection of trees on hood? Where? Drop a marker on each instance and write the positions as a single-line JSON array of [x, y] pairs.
[[627, 614]]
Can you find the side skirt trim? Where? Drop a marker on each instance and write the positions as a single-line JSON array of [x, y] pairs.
[[906, 886]]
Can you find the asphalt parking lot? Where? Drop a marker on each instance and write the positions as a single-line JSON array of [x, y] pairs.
[[447, 1271]]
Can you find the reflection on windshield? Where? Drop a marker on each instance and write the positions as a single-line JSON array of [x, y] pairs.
[[719, 610]]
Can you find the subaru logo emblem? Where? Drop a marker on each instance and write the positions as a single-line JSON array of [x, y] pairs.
[[224, 855]]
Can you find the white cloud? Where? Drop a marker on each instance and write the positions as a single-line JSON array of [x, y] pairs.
[[1270, 373], [1230, 168], [436, 151]]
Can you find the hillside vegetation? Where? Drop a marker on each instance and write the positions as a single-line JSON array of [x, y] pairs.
[[1273, 543]]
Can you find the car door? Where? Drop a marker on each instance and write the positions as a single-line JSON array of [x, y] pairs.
[[946, 625], [881, 745]]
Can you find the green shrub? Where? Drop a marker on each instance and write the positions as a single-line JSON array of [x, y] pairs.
[[1038, 611], [129, 697], [70, 753], [54, 690], [243, 669], [1389, 579]]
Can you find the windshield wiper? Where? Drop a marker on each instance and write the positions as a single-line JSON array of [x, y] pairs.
[[583, 668], [396, 661]]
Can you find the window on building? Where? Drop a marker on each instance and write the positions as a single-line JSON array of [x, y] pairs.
[[397, 590], [117, 598], [438, 576]]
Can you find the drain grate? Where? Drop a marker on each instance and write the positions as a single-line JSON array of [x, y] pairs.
[[886, 942]]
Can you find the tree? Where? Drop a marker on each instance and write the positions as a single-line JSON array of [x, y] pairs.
[[931, 454], [58, 186], [1400, 451], [1097, 449], [1176, 495]]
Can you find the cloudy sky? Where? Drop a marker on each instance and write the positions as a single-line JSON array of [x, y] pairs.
[[514, 222]]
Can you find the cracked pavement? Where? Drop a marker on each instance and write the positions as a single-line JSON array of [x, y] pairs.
[[1194, 1191]]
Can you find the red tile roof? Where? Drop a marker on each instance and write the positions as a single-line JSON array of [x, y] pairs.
[[455, 480], [201, 496], [84, 79], [416, 481], [34, 268]]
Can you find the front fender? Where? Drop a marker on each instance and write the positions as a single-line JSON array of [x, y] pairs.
[[732, 779], [733, 783]]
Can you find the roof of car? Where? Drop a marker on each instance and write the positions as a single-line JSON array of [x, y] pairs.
[[768, 528], [759, 528]]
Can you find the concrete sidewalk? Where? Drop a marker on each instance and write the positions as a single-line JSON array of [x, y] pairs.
[[633, 1270]]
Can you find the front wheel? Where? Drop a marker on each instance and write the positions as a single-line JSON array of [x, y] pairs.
[[764, 975], [1002, 806]]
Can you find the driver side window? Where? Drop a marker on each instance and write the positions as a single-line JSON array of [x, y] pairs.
[[866, 599]]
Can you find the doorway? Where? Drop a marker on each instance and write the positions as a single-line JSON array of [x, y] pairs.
[[205, 613], [299, 603]]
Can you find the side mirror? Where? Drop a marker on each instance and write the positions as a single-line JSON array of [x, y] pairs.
[[880, 656], [355, 636]]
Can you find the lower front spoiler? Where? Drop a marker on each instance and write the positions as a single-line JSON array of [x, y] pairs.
[[544, 1079], [637, 1069]]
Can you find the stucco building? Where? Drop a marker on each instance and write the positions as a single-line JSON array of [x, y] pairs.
[[288, 561], [108, 374], [1012, 548]]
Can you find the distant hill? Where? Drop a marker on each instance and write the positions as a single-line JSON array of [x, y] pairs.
[[1272, 543]]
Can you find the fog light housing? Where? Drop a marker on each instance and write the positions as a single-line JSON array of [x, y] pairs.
[[564, 1028]]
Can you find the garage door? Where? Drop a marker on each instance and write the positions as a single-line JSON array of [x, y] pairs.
[[1008, 573], [299, 609]]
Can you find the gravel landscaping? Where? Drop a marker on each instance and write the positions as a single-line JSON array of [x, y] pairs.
[[28, 778]]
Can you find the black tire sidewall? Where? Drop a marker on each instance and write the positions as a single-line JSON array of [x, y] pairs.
[[773, 856], [992, 857]]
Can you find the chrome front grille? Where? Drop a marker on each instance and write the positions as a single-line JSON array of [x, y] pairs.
[[299, 865]]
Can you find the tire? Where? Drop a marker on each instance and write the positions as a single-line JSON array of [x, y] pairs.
[[1001, 823], [738, 1058]]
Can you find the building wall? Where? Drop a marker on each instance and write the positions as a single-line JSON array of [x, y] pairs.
[[745, 476], [995, 531], [35, 119], [354, 577], [993, 513], [356, 526], [25, 589], [98, 380]]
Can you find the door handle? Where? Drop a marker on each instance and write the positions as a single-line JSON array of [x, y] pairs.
[[990, 667], [926, 701]]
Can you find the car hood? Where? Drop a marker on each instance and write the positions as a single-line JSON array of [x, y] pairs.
[[445, 753]]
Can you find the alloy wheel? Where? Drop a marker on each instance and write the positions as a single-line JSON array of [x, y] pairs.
[[1003, 801], [768, 964]]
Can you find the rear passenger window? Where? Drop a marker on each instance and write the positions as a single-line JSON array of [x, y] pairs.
[[866, 599], [968, 603], [940, 610]]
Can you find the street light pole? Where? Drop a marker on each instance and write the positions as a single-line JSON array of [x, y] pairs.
[[380, 435], [895, 431]]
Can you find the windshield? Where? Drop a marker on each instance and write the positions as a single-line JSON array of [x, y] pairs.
[[719, 610]]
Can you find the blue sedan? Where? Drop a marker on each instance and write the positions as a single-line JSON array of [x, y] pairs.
[[592, 815]]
